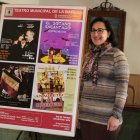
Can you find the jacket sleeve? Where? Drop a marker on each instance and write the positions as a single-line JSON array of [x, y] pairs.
[[121, 71]]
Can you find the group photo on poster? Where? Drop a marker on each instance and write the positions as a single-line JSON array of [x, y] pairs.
[[19, 40], [16, 82], [50, 89], [60, 42]]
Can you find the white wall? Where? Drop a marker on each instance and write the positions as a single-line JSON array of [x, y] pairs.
[[132, 31], [65, 2], [20, 1]]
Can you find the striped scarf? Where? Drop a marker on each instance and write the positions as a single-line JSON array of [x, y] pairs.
[[90, 69]]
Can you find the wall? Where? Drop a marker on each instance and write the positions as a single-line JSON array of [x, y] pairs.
[[65, 2], [20, 1]]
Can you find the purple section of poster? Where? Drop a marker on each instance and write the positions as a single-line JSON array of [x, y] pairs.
[[60, 42]]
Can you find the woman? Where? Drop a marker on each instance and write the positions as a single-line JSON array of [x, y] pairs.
[[104, 85]]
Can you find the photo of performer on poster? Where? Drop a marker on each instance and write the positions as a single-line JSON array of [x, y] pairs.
[[19, 40], [50, 90], [16, 81], [60, 42]]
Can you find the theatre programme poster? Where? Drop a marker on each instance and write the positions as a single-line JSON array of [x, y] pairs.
[[40, 58], [19, 36]]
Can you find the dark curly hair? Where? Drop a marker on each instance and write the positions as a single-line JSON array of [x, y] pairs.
[[108, 26]]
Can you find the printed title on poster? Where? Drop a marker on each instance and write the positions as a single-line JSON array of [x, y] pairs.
[[44, 10]]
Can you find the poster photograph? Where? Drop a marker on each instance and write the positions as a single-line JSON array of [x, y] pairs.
[[40, 60], [19, 36], [55, 88], [60, 42], [16, 82], [50, 89]]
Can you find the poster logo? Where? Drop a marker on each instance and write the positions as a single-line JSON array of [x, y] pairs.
[[9, 11]]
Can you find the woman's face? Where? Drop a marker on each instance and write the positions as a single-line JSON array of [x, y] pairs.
[[99, 34]]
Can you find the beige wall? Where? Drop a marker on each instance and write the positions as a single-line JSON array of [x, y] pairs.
[[20, 1], [132, 32]]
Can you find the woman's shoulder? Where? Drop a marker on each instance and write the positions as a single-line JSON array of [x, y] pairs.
[[119, 57], [117, 51]]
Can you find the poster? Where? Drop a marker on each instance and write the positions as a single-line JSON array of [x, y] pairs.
[[16, 84], [40, 59], [60, 42], [13, 41], [55, 88]]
